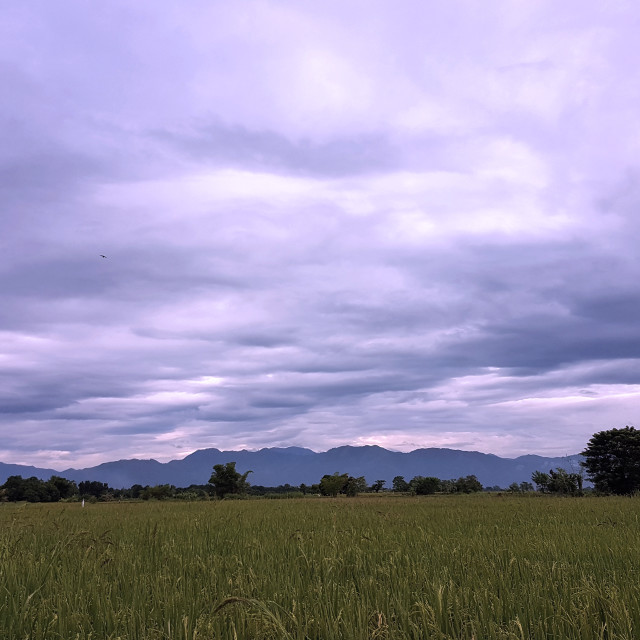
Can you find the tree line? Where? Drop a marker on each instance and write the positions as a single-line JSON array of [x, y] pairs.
[[227, 481], [611, 462], [55, 489]]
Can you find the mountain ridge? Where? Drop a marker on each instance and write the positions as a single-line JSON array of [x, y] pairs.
[[272, 466]]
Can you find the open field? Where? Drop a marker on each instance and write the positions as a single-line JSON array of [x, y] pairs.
[[468, 567]]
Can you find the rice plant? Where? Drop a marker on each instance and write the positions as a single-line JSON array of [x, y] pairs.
[[450, 567]]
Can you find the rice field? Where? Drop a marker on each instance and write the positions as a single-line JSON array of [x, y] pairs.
[[472, 567]]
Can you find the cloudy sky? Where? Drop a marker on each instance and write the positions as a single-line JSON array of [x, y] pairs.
[[354, 222]]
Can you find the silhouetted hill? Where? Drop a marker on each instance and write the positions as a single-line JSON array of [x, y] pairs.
[[294, 465]]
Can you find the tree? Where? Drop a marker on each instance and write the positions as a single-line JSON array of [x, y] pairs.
[[400, 485], [135, 491], [14, 488], [563, 482], [30, 489], [93, 488], [523, 487], [226, 480], [448, 486], [558, 481], [377, 485], [541, 480], [612, 460], [468, 484], [424, 486], [66, 488], [158, 492], [334, 484], [354, 486]]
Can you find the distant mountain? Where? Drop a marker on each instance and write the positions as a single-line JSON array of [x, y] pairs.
[[295, 465]]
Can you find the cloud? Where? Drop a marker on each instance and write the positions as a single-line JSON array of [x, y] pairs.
[[324, 224], [267, 151]]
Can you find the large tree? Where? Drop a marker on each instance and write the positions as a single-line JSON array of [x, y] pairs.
[[400, 484], [424, 486], [354, 486], [66, 488], [334, 484], [612, 460], [93, 488], [226, 480], [468, 484]]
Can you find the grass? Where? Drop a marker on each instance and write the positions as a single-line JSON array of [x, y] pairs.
[[464, 567]]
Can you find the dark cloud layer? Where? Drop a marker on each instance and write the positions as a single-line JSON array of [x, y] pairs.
[[323, 224], [268, 151]]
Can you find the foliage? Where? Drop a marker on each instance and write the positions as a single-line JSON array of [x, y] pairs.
[[377, 485], [422, 486], [400, 485], [66, 488], [285, 489], [158, 492], [332, 485], [448, 486], [225, 480], [612, 460], [559, 481], [354, 486], [468, 484], [18, 489], [523, 487], [93, 488]]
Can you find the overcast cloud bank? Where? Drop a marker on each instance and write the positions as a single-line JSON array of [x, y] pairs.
[[324, 224]]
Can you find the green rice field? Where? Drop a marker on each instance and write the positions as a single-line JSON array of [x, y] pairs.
[[444, 567]]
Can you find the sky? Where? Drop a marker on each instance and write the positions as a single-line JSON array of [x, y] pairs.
[[410, 224]]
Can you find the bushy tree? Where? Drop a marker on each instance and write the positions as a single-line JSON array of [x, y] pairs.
[[400, 485], [135, 491], [14, 488], [425, 486], [559, 481], [17, 489], [93, 488], [158, 492], [225, 480], [468, 484], [612, 460], [332, 485], [354, 486], [66, 488], [377, 485], [448, 486]]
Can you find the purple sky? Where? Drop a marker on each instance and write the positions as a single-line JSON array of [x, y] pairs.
[[342, 222]]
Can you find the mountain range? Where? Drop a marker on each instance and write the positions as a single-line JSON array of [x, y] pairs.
[[295, 465]]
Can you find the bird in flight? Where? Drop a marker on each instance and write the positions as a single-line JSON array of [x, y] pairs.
[[102, 256]]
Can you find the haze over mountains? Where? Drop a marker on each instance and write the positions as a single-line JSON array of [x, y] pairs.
[[295, 465]]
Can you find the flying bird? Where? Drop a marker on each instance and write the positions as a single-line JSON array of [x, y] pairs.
[[102, 256]]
